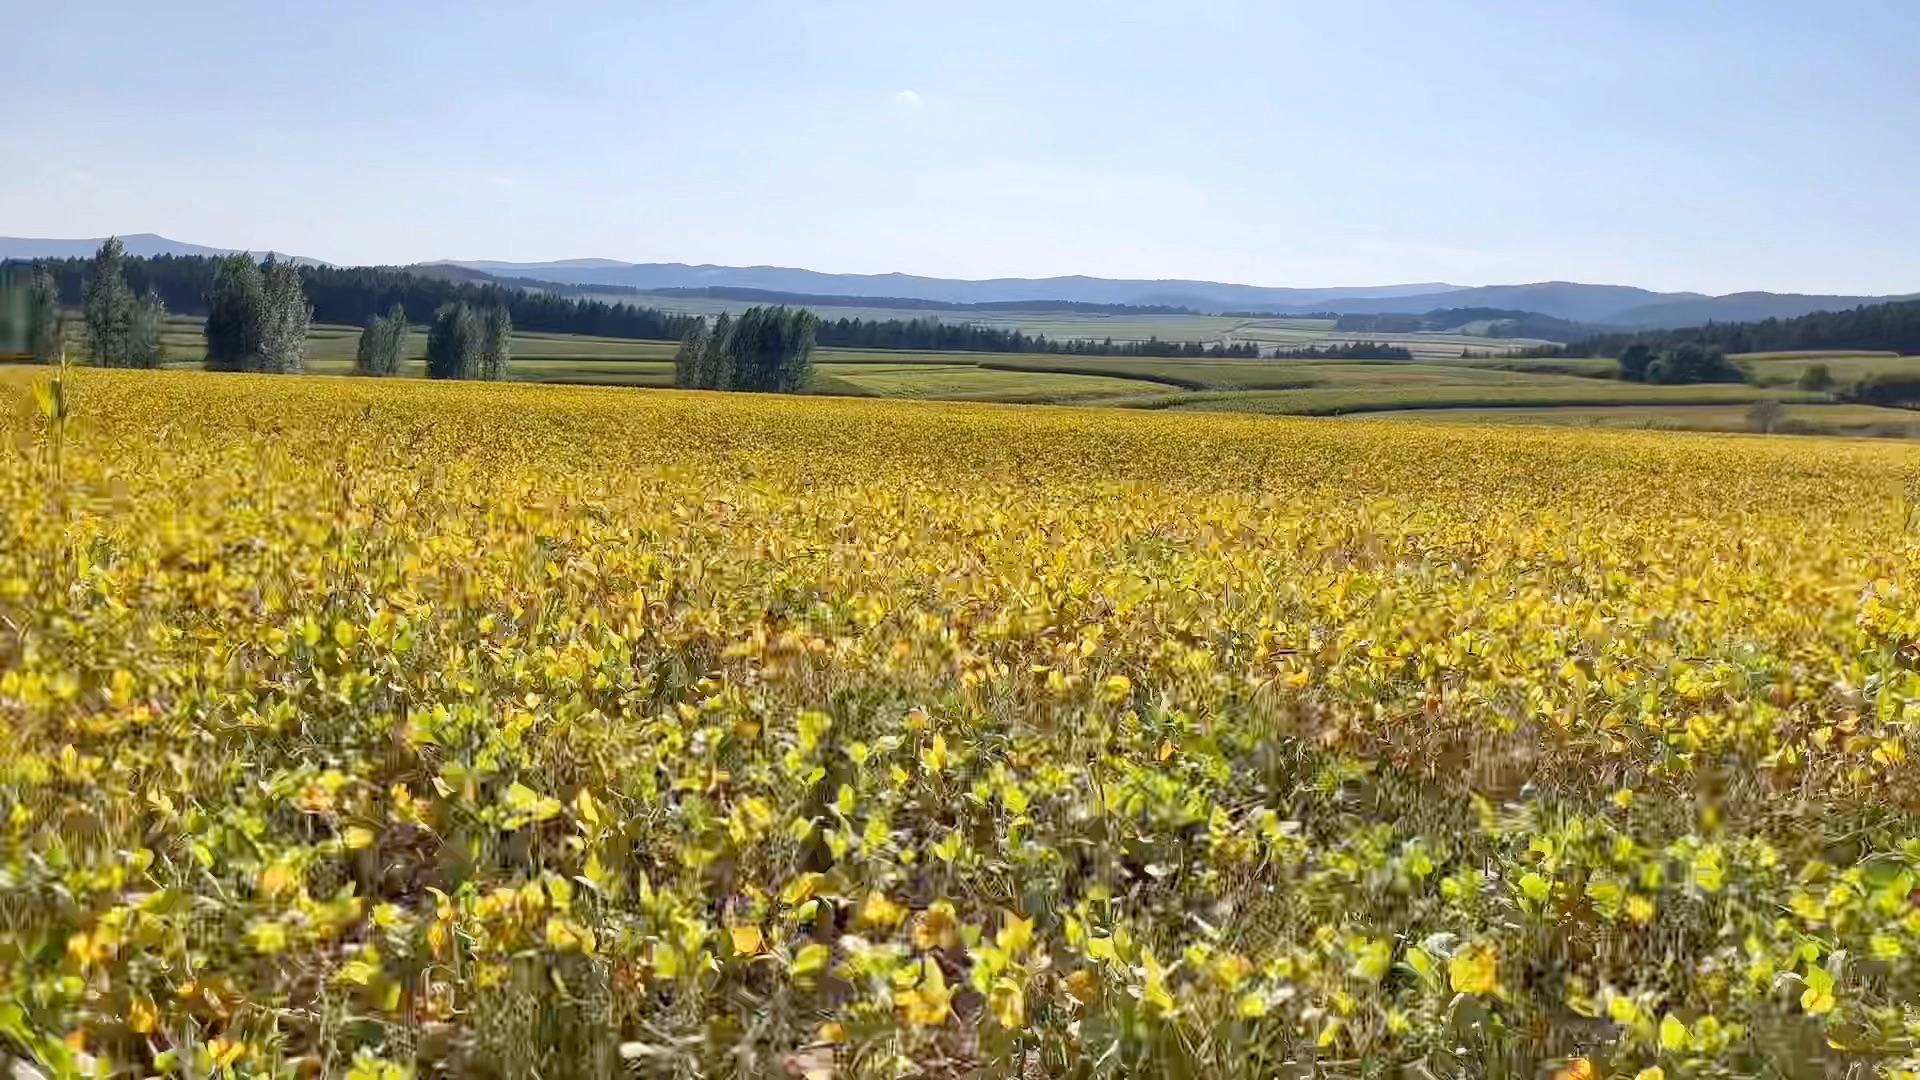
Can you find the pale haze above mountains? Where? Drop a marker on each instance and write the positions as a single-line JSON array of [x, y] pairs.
[[1605, 305]]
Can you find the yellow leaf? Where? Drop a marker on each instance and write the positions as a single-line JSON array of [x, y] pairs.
[[881, 913], [1474, 969], [1818, 998], [936, 928], [1008, 1000], [811, 958], [1673, 1033], [929, 1001], [747, 940]]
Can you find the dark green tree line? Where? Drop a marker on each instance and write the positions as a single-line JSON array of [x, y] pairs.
[[1892, 327]]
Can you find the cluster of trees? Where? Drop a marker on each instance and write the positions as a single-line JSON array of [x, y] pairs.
[[257, 317], [767, 349], [383, 343], [1892, 327], [465, 342], [1153, 346], [352, 295], [1678, 365], [1501, 323], [123, 329], [1887, 388], [1351, 350]]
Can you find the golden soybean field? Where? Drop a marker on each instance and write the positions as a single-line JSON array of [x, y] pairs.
[[385, 728]]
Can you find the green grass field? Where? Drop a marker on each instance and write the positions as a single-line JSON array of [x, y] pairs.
[[1781, 369], [1441, 384]]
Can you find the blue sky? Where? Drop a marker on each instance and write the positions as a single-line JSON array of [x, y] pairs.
[[1715, 145]]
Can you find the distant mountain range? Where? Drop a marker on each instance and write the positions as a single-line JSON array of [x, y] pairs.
[[144, 245], [1205, 295], [1600, 305]]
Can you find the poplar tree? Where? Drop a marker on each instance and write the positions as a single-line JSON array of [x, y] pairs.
[[44, 316], [716, 359], [144, 325], [496, 342], [236, 315], [686, 361], [383, 343], [453, 342], [287, 316], [108, 305]]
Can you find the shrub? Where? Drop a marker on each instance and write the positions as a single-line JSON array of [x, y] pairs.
[[1816, 377]]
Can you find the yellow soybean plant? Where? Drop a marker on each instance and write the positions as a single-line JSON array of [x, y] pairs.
[[382, 728]]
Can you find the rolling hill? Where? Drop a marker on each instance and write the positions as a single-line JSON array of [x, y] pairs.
[[142, 245], [1622, 306]]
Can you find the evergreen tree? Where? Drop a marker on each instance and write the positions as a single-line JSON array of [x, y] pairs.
[[144, 324], [236, 315], [686, 361], [44, 316], [453, 343], [496, 342], [108, 308], [286, 317]]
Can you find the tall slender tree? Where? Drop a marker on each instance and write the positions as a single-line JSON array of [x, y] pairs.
[[236, 315], [144, 325], [382, 343], [453, 343], [109, 304], [686, 361], [394, 343], [44, 317], [716, 360], [287, 316], [496, 342], [772, 349]]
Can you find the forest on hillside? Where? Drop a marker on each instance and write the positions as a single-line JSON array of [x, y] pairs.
[[1891, 327], [355, 295]]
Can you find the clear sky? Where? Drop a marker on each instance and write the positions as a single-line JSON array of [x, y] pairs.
[[1715, 145]]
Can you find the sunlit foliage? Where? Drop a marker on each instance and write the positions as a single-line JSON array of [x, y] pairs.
[[378, 728]]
